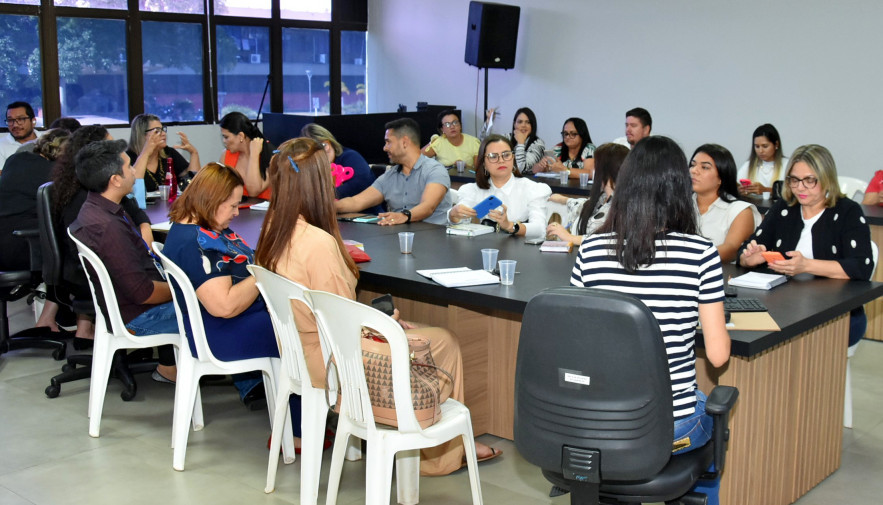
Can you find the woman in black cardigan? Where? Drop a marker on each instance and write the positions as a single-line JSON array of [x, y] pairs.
[[815, 227]]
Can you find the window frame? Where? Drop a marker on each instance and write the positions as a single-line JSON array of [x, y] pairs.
[[346, 15]]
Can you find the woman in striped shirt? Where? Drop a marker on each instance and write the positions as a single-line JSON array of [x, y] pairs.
[[650, 248]]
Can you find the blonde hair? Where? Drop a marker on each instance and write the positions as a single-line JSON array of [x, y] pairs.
[[819, 159]]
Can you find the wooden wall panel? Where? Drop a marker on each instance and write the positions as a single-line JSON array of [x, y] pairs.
[[875, 308]]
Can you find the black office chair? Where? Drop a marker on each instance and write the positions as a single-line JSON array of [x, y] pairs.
[[78, 366], [17, 284], [593, 404]]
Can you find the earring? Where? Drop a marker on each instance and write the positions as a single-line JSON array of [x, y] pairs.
[[486, 173]]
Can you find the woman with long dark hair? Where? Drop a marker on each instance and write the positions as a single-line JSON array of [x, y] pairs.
[[586, 216], [724, 217], [649, 248], [529, 148], [574, 152], [765, 164], [301, 240], [246, 150]]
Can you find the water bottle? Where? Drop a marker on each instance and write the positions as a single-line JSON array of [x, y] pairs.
[[171, 180]]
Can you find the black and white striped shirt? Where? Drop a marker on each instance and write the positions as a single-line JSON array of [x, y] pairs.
[[686, 272]]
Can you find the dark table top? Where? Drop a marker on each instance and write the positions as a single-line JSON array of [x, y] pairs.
[[797, 306]]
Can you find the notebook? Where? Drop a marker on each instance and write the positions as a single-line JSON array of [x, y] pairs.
[[469, 229], [757, 280], [460, 277]]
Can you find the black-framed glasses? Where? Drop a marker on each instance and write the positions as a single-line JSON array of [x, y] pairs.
[[496, 157], [448, 124], [808, 182], [157, 129], [569, 135], [17, 120]]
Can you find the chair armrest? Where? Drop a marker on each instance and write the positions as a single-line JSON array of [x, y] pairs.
[[32, 235], [721, 400], [719, 403]]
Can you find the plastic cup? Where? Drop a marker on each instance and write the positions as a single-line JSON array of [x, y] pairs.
[[489, 259], [564, 176], [766, 195], [461, 166], [406, 241], [507, 272], [164, 192], [583, 179]]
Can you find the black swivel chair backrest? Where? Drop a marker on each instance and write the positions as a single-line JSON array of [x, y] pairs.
[[592, 373], [48, 239]]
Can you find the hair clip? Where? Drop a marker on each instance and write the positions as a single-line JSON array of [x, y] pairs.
[[276, 151], [293, 165]]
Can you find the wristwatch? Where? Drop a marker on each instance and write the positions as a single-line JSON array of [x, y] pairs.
[[407, 214], [515, 228]]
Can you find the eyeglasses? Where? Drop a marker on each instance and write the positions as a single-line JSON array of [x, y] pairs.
[[158, 129], [569, 135], [17, 120], [495, 157], [808, 182], [448, 124]]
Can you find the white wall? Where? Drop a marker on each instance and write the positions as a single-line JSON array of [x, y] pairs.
[[206, 139], [707, 70]]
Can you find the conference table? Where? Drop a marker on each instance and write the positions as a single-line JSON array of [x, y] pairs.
[[786, 429]]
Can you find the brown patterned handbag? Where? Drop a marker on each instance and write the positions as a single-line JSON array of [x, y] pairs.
[[428, 389]]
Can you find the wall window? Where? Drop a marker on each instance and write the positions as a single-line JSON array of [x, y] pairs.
[[172, 63], [243, 66], [306, 70], [20, 74], [353, 72], [92, 70], [313, 10], [186, 61]]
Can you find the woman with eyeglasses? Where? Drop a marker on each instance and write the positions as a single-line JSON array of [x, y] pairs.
[[246, 150], [529, 148], [574, 153], [815, 228], [149, 152], [765, 164], [452, 145], [523, 212]]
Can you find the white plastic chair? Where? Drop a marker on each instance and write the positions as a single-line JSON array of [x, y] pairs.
[[850, 352], [191, 368], [108, 340], [294, 379], [853, 188], [340, 321]]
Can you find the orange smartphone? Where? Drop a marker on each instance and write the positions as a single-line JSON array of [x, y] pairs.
[[771, 256]]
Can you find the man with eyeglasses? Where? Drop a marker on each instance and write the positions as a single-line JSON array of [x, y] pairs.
[[416, 189], [21, 121], [638, 125]]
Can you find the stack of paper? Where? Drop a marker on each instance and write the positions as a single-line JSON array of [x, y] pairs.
[[756, 280], [556, 246], [459, 277], [469, 229]]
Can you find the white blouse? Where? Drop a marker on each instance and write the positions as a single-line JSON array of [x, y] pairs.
[[764, 174], [525, 201], [715, 223]]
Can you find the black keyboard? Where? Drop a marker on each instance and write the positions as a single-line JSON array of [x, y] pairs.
[[743, 305]]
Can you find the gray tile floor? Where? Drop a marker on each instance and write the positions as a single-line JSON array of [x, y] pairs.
[[48, 458]]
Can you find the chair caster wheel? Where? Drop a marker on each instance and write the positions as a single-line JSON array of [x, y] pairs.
[[67, 367], [52, 391], [128, 394], [58, 354]]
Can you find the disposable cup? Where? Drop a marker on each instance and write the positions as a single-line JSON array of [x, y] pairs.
[[406, 241], [507, 272], [461, 166], [564, 176], [583, 179], [489, 258], [164, 192]]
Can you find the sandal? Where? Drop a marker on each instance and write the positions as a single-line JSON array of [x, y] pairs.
[[494, 454]]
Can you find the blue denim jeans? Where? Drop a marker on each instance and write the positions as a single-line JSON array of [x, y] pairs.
[[155, 320], [692, 433]]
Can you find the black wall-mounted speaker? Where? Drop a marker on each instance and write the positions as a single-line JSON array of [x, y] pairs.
[[491, 35]]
